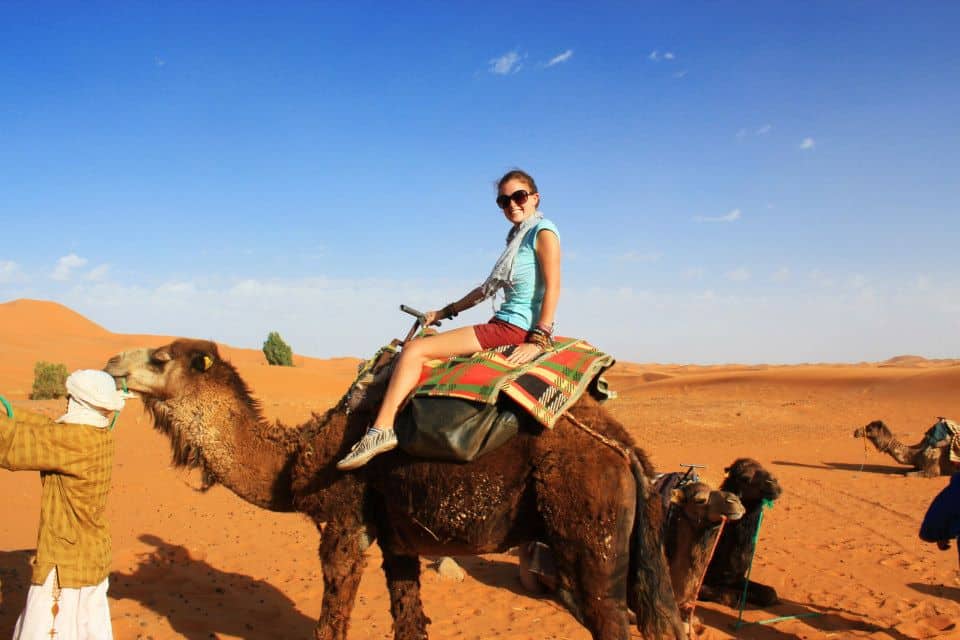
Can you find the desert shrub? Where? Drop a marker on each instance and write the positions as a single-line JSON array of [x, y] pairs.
[[277, 351], [49, 381]]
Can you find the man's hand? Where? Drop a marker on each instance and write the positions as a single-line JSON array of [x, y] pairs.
[[524, 353]]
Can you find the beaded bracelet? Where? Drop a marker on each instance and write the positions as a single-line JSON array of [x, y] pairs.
[[546, 328], [540, 338]]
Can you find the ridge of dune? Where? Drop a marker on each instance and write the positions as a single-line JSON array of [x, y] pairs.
[[43, 330], [29, 317]]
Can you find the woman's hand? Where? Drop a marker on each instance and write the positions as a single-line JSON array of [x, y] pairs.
[[524, 353], [432, 317]]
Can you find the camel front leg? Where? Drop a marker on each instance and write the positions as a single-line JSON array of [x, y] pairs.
[[342, 558], [403, 582]]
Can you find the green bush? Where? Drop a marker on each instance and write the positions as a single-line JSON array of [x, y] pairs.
[[277, 351], [49, 381]]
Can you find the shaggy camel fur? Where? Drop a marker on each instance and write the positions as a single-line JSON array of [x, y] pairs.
[[562, 486], [690, 532], [927, 461], [727, 573], [692, 529]]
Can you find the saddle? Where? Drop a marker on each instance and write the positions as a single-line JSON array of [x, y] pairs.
[[945, 429], [465, 407]]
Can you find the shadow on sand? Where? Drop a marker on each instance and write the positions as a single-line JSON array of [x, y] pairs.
[[936, 590], [501, 574], [831, 621], [199, 600], [847, 466], [15, 573]]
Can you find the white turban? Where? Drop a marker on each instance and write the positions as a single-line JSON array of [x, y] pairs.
[[91, 393]]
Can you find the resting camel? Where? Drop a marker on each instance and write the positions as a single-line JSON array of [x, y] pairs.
[[927, 461], [692, 529], [727, 573], [589, 500], [690, 532]]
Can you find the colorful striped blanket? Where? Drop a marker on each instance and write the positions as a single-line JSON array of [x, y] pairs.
[[545, 387]]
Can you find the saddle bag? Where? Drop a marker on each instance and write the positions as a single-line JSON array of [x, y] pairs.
[[443, 428]]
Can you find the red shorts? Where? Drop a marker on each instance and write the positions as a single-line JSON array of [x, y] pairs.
[[497, 333]]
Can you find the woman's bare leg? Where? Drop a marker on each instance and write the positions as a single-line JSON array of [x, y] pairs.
[[415, 354], [382, 438]]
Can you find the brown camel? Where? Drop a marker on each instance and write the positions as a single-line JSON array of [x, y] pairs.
[[562, 485], [927, 461], [692, 529], [690, 532], [727, 572]]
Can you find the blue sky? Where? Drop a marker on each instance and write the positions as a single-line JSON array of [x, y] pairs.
[[733, 181]]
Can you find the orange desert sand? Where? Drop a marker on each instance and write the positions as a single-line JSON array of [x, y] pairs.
[[842, 541]]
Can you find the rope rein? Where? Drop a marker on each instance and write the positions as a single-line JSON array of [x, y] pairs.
[[613, 444], [693, 605]]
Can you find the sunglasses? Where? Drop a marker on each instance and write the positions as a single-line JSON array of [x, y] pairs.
[[518, 197]]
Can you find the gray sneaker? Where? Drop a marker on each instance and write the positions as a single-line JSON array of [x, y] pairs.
[[371, 444]]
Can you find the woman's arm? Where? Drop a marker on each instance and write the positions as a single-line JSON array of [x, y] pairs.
[[547, 248], [466, 302]]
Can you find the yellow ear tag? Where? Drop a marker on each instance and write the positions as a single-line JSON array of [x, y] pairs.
[[207, 362]]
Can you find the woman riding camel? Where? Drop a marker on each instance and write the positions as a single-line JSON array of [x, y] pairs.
[[528, 271]]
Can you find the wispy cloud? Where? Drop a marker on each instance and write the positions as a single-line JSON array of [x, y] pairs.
[[838, 324], [640, 256], [680, 74], [563, 57], [160, 62], [808, 143], [733, 216], [66, 265], [781, 275], [740, 274], [762, 130], [656, 56], [508, 63], [693, 273], [9, 271], [98, 273]]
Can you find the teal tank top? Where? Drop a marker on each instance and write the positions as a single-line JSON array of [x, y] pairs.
[[524, 298]]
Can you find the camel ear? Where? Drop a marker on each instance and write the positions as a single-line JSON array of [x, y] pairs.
[[676, 496], [202, 362]]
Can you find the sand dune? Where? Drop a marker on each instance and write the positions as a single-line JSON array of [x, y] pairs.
[[841, 542]]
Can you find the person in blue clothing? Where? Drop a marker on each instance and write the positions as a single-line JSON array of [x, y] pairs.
[[528, 271], [941, 524]]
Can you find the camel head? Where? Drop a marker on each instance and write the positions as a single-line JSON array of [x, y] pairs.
[[750, 481], [874, 431], [701, 504], [190, 391]]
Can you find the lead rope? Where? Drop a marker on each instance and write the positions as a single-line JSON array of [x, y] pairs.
[[746, 581], [613, 444], [716, 543], [864, 463]]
